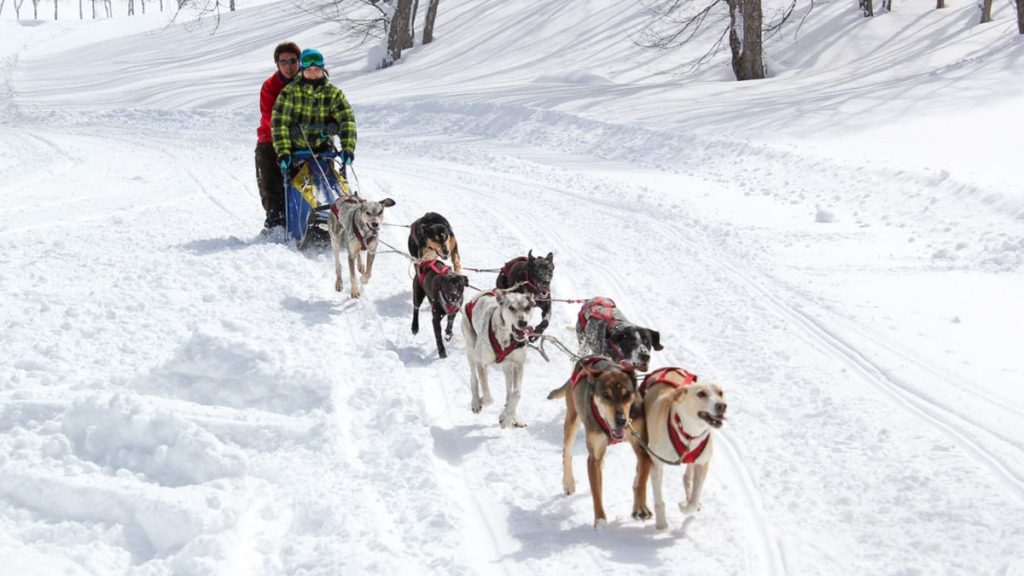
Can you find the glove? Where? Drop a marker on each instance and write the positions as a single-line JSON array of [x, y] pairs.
[[347, 157], [286, 161]]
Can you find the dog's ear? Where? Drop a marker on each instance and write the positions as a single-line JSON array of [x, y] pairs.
[[387, 202], [499, 296], [464, 280], [529, 255], [679, 394], [550, 257], [656, 340]]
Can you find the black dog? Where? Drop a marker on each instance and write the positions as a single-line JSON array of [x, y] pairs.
[[444, 289], [532, 276], [602, 329], [432, 235]]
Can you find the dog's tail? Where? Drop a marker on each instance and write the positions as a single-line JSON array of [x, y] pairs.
[[559, 392]]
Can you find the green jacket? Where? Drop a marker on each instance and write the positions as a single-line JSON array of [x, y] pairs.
[[304, 103]]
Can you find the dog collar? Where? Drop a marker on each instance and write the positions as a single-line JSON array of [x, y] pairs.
[[501, 352]]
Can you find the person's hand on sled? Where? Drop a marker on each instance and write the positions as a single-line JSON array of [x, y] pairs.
[[286, 161], [347, 157]]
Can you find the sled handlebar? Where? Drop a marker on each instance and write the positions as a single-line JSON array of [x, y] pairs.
[[326, 155]]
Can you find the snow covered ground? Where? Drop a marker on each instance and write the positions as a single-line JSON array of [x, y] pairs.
[[840, 246]]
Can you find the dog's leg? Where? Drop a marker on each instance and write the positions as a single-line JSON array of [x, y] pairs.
[[436, 314], [417, 298], [572, 423], [335, 231], [448, 329], [657, 472], [595, 472], [353, 255], [695, 473], [371, 253], [643, 470], [545, 309], [513, 383], [456, 260]]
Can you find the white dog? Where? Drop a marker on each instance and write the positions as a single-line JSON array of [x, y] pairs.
[[355, 223], [496, 325], [680, 416]]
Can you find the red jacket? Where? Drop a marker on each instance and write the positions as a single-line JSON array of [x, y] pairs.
[[268, 95]]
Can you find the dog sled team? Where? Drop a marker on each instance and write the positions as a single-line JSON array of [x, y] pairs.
[[666, 415]]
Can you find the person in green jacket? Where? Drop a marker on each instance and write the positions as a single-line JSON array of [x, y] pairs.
[[310, 101]]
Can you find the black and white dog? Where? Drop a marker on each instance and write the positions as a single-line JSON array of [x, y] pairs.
[[444, 289], [531, 276], [602, 329]]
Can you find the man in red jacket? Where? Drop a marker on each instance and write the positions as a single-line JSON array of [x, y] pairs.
[[268, 174]]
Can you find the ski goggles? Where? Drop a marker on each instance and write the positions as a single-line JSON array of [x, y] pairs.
[[309, 60]]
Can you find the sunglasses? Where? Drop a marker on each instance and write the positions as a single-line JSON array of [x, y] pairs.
[[287, 60], [312, 60]]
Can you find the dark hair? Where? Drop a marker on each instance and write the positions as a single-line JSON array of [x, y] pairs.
[[286, 47]]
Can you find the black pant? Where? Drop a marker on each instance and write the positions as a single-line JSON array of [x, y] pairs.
[[270, 181]]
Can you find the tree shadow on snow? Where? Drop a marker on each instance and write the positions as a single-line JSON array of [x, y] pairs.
[[453, 444]]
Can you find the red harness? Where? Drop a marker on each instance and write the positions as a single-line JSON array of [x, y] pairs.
[[577, 376], [500, 352], [601, 308], [355, 224], [440, 269], [675, 425]]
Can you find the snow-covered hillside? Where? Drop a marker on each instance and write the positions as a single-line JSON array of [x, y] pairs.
[[839, 246]]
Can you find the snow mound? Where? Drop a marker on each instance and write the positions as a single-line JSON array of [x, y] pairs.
[[131, 433], [223, 365]]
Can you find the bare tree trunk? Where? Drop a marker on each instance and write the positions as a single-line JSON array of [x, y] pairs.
[[131, 7], [2, 2], [940, 4], [745, 19], [55, 5], [867, 8], [231, 5], [887, 5], [398, 29], [35, 9], [412, 23], [428, 25], [143, 2], [93, 2], [986, 11], [1020, 16]]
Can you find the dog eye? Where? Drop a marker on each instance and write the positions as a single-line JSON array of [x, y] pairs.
[[702, 394]]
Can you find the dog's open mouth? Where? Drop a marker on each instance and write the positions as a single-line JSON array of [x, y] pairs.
[[618, 434], [521, 334], [715, 420]]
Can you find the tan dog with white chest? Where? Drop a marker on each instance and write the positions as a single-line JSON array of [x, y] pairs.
[[354, 224], [680, 414]]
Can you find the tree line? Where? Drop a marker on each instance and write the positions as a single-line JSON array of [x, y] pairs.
[[740, 24]]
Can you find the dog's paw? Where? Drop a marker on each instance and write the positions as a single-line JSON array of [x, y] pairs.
[[510, 421], [569, 486], [365, 279], [661, 524], [689, 509], [442, 353], [660, 520], [487, 401], [448, 336], [355, 293], [477, 406], [600, 523], [338, 285], [642, 513]]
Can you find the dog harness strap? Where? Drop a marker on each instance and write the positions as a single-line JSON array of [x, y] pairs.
[[355, 230], [683, 449], [500, 352], [660, 377], [602, 422], [424, 265], [472, 304]]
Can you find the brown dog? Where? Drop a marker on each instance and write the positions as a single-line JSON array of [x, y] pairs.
[[681, 415], [601, 394], [430, 237]]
